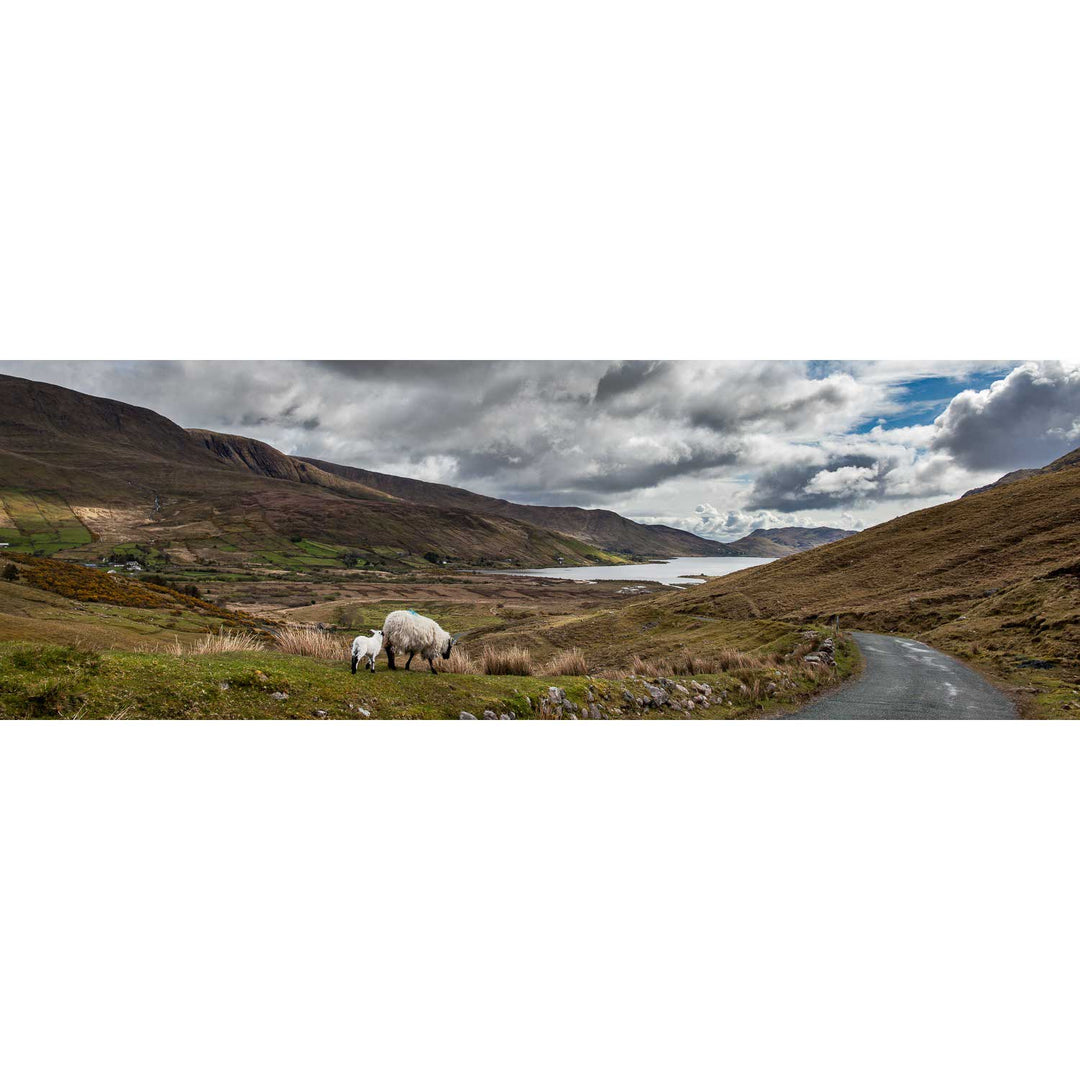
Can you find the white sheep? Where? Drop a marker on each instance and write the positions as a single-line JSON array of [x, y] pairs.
[[366, 649], [407, 632]]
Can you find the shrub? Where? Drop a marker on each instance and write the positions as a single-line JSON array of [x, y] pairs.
[[513, 660], [10, 572], [568, 662], [309, 641]]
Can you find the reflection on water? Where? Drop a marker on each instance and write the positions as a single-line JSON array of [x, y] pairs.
[[680, 572]]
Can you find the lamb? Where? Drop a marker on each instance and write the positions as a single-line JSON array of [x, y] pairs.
[[366, 649], [407, 632]]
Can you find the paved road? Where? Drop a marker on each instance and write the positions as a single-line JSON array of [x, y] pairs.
[[905, 680]]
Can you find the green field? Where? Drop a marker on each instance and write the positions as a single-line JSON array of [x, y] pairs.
[[43, 523]]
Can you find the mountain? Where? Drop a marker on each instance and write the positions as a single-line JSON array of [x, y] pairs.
[[776, 543], [1068, 461], [78, 470], [601, 528], [993, 574]]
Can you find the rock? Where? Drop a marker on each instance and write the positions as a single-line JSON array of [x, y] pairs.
[[680, 689], [770, 688], [658, 694], [556, 695], [489, 714], [701, 688], [690, 705], [223, 686], [279, 695], [363, 712], [589, 695], [466, 716], [700, 699], [506, 716], [570, 707], [320, 713], [594, 713], [629, 697]]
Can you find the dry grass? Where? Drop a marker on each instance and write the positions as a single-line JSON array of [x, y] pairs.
[[309, 641], [241, 641], [513, 660], [689, 663], [568, 662], [460, 663]]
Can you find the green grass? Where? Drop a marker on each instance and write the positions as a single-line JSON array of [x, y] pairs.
[[48, 680], [43, 523]]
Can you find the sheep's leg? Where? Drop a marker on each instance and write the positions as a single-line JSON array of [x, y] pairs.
[[390, 657], [409, 661], [431, 664], [372, 661], [354, 663]]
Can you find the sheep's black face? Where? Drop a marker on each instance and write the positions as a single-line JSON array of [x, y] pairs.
[[446, 651]]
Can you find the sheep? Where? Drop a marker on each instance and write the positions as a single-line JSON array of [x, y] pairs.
[[366, 649], [407, 632]]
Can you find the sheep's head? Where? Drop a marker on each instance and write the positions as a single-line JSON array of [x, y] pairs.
[[449, 645]]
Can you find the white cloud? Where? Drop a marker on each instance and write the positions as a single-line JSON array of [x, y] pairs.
[[1024, 420]]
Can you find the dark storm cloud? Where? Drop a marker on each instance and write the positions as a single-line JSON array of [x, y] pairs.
[[627, 376], [754, 402], [404, 370], [785, 487]]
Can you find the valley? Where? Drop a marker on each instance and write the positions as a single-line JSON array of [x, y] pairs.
[[125, 536]]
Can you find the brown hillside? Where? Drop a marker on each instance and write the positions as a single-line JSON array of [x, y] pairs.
[[922, 568], [601, 528], [1067, 461]]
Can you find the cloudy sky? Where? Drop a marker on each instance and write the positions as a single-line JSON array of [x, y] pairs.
[[718, 449]]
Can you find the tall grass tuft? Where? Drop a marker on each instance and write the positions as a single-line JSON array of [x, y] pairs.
[[309, 641], [240, 641], [568, 662], [686, 662], [212, 644], [460, 663], [513, 660], [647, 669]]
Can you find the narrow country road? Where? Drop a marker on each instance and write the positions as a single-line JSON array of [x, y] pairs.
[[906, 680]]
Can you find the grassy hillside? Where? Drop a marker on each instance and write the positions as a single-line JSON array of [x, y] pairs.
[[993, 578], [41, 681], [76, 641]]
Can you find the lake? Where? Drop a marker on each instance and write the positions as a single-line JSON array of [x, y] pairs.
[[691, 570]]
